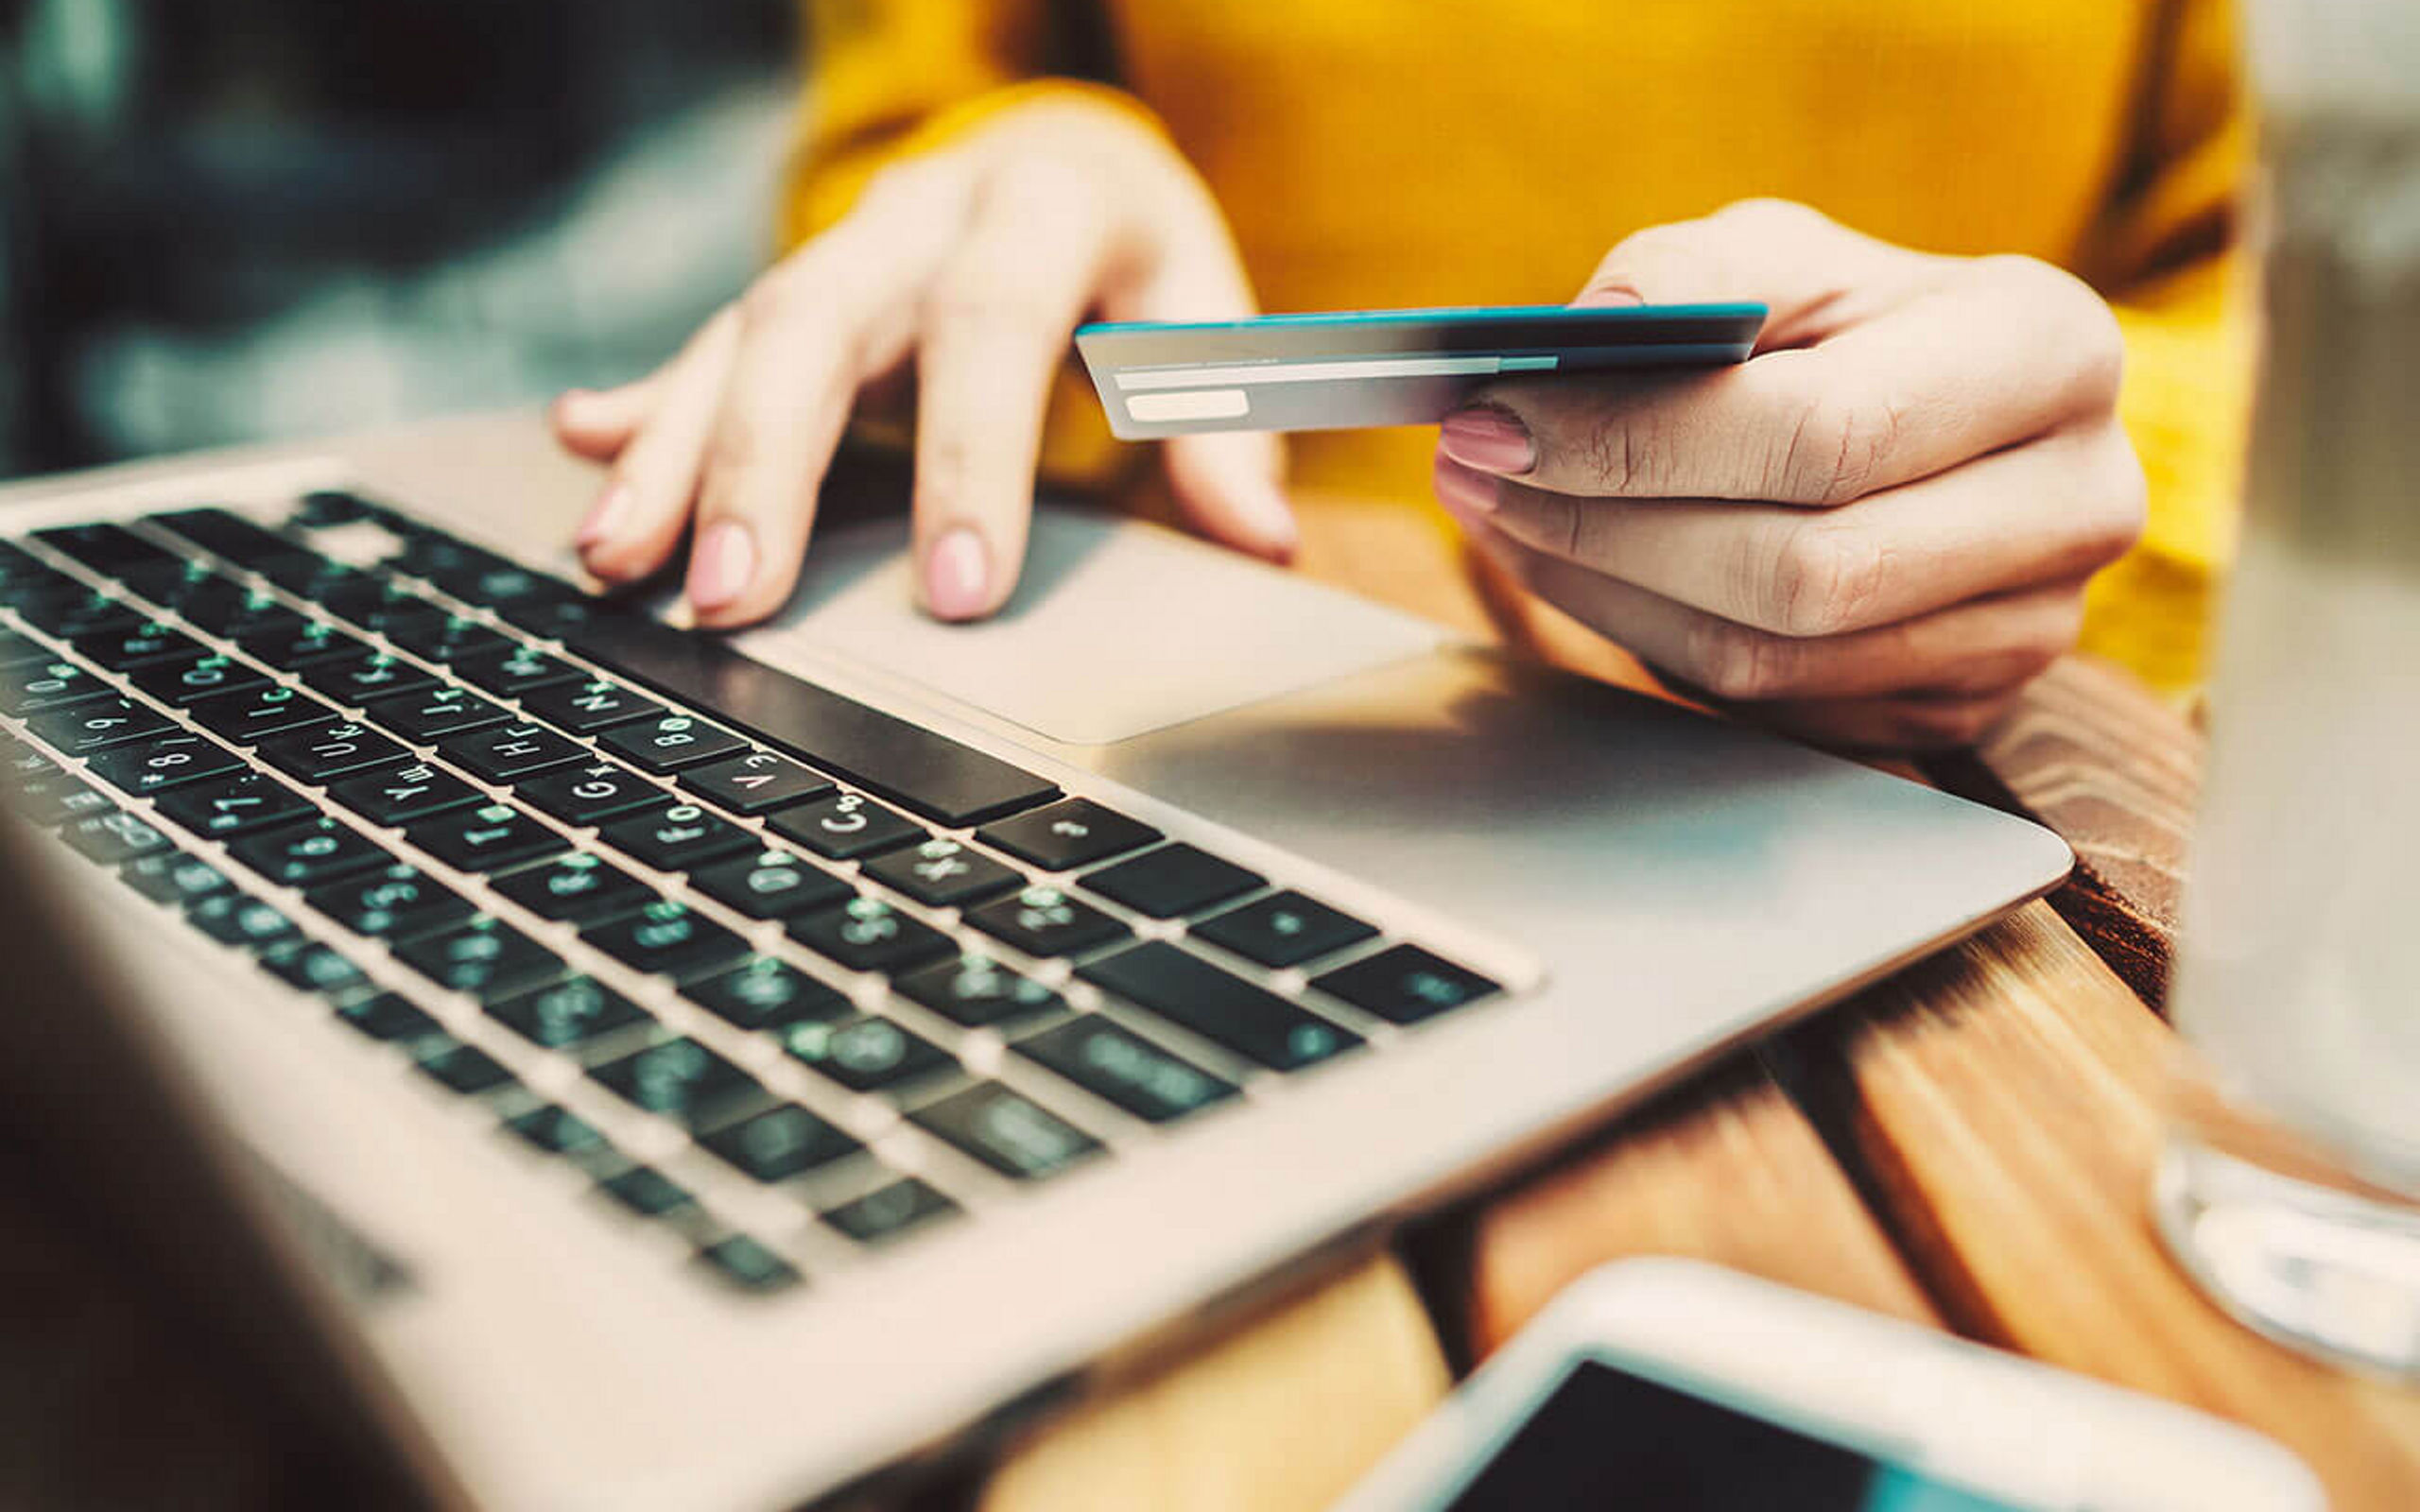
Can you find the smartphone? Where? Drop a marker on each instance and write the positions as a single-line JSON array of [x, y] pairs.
[[1686, 1387], [1364, 367]]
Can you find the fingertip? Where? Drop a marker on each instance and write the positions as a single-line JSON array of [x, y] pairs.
[[958, 576]]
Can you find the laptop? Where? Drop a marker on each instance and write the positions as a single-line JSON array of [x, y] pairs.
[[624, 1068]]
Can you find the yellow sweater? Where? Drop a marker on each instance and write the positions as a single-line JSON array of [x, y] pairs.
[[1408, 152]]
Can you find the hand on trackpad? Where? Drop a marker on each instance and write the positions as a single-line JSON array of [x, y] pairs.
[[1117, 629]]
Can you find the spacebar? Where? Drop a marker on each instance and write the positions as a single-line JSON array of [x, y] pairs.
[[888, 757]]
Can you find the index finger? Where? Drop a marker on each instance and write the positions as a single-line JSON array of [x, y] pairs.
[[996, 333]]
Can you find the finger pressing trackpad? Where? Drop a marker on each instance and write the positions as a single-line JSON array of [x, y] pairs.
[[1117, 629]]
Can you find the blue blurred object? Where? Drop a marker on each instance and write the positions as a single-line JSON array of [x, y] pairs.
[[253, 219]]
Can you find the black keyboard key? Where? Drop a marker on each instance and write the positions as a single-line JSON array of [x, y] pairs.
[[487, 839], [557, 1131], [1073, 833], [323, 508], [770, 884], [757, 782], [75, 611], [18, 649], [1282, 928], [646, 1192], [446, 638], [669, 742], [435, 714], [399, 795], [162, 762], [173, 878], [666, 938], [890, 1211], [122, 648], [81, 729], [677, 1078], [241, 920], [568, 1013], [976, 990], [313, 577], [1044, 921], [769, 994], [864, 1055], [31, 686], [190, 678], [675, 837], [224, 806], [779, 1142], [112, 838], [506, 753], [311, 966], [943, 873], [556, 614], [579, 888], [223, 605], [398, 902], [1009, 1133], [868, 935], [844, 826], [486, 958], [353, 681], [1173, 880], [928, 772], [55, 799], [295, 646], [106, 548], [251, 714], [310, 854], [742, 1263], [1124, 1069], [590, 794], [1225, 1009], [1405, 984], [584, 708], [319, 754], [515, 670], [382, 605], [224, 533], [465, 1068], [389, 1015]]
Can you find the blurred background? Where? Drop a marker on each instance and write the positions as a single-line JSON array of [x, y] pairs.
[[232, 219]]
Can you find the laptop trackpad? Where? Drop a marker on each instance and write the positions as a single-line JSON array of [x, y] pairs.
[[1118, 628]]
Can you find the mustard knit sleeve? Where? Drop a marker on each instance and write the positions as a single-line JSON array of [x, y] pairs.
[[2167, 255]]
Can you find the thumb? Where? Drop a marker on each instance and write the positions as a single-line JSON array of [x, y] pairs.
[[1814, 275]]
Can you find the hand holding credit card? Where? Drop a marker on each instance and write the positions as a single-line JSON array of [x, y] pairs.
[[1332, 372]]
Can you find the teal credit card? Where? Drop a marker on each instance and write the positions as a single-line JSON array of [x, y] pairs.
[[1365, 367]]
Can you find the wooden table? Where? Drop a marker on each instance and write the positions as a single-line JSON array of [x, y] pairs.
[[1967, 1144]]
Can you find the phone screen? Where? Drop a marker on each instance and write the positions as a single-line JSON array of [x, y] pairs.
[[1605, 1438]]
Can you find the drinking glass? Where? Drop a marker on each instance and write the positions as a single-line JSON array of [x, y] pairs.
[[2290, 1185]]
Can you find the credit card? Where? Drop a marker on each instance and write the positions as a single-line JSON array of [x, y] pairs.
[[1365, 367]]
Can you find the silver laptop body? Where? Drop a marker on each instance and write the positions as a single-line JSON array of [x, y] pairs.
[[1648, 886]]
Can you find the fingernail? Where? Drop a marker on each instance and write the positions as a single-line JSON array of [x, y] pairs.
[[601, 516], [958, 573], [1462, 489], [1488, 440], [1272, 519], [721, 565]]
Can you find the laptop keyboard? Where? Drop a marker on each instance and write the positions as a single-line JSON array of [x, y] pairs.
[[778, 973]]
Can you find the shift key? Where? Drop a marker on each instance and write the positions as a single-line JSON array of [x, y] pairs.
[[1225, 1009]]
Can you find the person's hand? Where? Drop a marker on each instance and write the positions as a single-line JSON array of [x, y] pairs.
[[971, 266], [1874, 531]]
